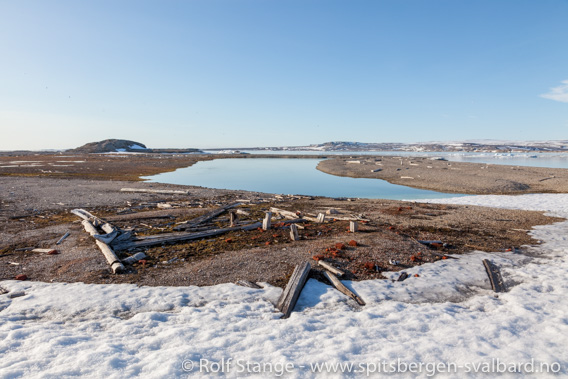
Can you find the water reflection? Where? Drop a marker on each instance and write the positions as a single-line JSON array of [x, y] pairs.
[[287, 176]]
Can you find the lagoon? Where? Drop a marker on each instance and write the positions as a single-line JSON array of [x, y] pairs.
[[531, 159], [287, 176]]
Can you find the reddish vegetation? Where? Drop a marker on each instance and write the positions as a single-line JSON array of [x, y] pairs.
[[340, 246], [370, 266], [353, 243], [21, 277]]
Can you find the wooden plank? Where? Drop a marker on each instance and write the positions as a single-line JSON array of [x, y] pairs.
[[341, 287], [321, 218], [159, 239], [289, 297], [497, 283], [206, 217], [330, 268]]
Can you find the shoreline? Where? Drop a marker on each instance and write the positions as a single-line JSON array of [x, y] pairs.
[[35, 213], [451, 177]]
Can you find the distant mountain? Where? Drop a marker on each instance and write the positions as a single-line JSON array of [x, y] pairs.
[[122, 146], [446, 146], [111, 146]]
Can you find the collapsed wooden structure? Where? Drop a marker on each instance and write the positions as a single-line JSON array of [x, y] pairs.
[[110, 238]]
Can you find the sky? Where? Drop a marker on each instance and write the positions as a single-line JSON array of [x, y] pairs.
[[246, 73]]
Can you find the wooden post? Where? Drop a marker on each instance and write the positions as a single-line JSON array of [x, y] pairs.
[[341, 288], [232, 218], [294, 232], [266, 221], [289, 297], [497, 283], [353, 227], [321, 218]]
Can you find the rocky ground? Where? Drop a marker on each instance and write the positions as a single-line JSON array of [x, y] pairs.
[[35, 213]]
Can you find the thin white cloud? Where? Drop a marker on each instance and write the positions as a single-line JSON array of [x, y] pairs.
[[559, 93]]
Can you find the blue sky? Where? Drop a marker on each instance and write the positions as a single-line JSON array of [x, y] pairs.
[[272, 73]]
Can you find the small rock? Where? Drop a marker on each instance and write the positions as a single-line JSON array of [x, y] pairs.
[[21, 277]]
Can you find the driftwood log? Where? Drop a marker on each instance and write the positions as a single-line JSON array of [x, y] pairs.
[[159, 239], [109, 254], [206, 217], [341, 287]]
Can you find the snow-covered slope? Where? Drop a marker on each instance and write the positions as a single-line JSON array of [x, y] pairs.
[[445, 321]]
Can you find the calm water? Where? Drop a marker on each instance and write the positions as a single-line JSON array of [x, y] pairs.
[[287, 176], [552, 160]]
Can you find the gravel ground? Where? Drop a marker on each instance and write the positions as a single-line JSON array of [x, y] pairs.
[[452, 177], [35, 213]]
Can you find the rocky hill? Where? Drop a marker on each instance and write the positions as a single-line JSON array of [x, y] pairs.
[[121, 146], [111, 146]]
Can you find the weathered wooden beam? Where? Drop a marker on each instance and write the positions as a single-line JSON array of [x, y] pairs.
[[166, 192], [246, 283], [497, 283], [285, 213], [321, 218], [206, 217], [159, 239], [289, 297], [291, 215], [330, 268], [294, 232], [46, 251], [109, 254], [63, 238], [341, 287]]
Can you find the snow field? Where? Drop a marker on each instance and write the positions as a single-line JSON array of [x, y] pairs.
[[447, 316]]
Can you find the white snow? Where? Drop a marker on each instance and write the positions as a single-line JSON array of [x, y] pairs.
[[447, 316]]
